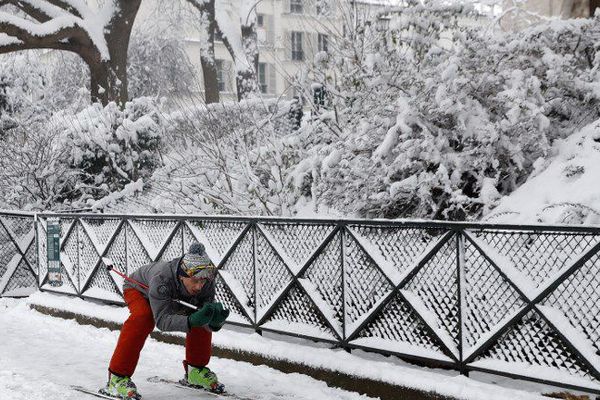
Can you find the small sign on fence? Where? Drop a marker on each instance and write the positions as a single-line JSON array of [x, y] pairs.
[[53, 246]]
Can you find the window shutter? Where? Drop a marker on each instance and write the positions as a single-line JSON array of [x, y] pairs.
[[272, 79], [287, 44], [303, 45]]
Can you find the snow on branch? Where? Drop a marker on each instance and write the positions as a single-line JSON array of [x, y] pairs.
[[45, 8], [28, 9], [53, 22], [227, 17], [76, 7], [23, 28], [6, 40]]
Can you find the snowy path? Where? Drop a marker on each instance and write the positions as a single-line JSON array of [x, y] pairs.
[[40, 356]]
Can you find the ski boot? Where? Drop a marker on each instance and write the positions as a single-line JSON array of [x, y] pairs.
[[201, 378], [121, 387]]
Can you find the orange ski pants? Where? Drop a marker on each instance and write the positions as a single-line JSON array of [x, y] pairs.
[[137, 328]]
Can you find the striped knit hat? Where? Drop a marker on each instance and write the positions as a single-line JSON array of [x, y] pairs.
[[196, 263]]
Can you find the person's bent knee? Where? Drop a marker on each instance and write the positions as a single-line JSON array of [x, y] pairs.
[[144, 322]]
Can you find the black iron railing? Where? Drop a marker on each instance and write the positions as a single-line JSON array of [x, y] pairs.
[[519, 301]]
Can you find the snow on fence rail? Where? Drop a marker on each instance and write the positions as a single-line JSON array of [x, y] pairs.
[[520, 301]]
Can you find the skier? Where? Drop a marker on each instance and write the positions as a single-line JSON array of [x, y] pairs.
[[151, 293]]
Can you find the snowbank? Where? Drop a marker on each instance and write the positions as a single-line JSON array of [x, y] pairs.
[[564, 189]]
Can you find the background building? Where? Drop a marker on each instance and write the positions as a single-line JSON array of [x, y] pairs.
[[290, 33]]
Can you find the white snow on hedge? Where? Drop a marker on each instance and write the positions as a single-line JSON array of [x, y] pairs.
[[564, 189]]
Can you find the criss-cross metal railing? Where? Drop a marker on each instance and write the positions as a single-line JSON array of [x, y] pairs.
[[519, 301]]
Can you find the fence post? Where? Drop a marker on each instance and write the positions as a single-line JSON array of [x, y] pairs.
[[77, 223], [37, 250], [254, 276], [342, 232], [461, 286]]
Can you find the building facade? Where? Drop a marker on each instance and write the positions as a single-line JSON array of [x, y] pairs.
[[290, 33]]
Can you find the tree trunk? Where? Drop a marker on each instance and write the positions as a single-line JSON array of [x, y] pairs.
[[207, 57], [246, 78], [247, 81], [211, 85], [108, 79], [108, 72], [107, 84]]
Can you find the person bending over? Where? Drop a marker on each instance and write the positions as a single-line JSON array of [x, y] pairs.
[[151, 294]]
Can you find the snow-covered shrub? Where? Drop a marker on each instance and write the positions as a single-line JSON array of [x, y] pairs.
[[227, 158], [110, 147], [73, 160], [432, 119], [563, 190], [26, 93], [33, 175], [32, 172]]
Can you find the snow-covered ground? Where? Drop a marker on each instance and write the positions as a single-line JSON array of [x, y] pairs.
[[563, 189], [40, 356], [55, 353]]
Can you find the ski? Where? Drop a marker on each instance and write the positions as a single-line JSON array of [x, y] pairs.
[[97, 393], [180, 384], [92, 392]]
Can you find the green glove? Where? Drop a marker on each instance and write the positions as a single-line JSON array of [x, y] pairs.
[[219, 317], [203, 316]]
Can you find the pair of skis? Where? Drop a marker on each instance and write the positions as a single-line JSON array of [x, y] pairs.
[[219, 391]]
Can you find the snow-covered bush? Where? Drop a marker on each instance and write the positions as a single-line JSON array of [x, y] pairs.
[[56, 149], [226, 158], [110, 147], [26, 93], [428, 118], [33, 175], [562, 190], [73, 160]]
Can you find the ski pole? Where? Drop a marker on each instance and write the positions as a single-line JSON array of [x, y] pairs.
[[110, 267]]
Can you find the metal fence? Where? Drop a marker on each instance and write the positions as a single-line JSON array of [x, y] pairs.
[[519, 301]]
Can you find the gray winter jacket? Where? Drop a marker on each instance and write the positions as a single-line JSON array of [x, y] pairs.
[[164, 287]]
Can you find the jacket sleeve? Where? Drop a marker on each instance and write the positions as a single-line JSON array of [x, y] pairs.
[[160, 295]]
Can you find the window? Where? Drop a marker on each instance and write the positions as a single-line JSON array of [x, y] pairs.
[[297, 52], [220, 75], [296, 7], [323, 42], [260, 20], [262, 77]]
